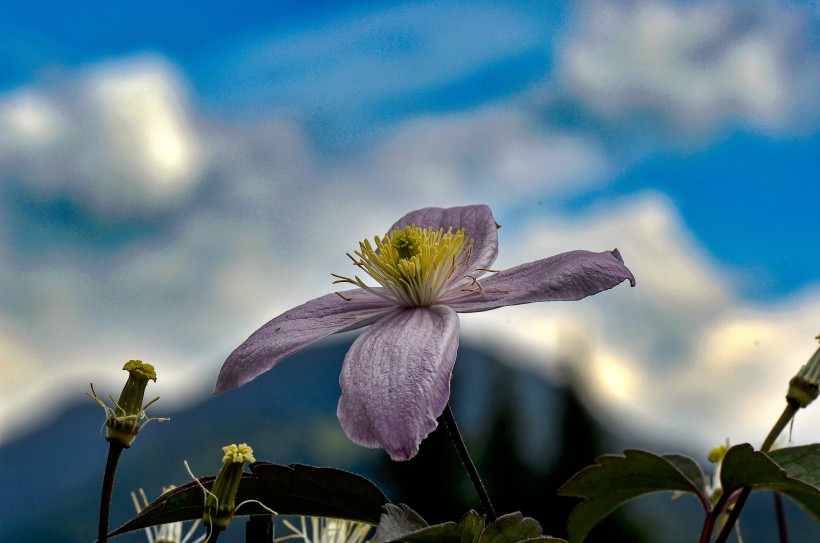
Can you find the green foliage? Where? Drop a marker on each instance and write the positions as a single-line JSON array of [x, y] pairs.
[[400, 524], [514, 528], [328, 492], [794, 471], [614, 480], [801, 463], [466, 530], [288, 490]]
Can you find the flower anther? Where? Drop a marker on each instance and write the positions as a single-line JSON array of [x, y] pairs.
[[417, 266]]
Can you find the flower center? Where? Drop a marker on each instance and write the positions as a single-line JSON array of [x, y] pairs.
[[418, 266]]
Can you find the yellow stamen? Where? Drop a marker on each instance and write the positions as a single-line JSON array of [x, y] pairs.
[[417, 266]]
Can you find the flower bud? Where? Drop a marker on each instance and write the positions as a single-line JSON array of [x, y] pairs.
[[124, 419], [125, 423], [805, 386], [220, 504]]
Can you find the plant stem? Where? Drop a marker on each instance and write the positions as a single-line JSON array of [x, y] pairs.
[[788, 414], [115, 449], [708, 526], [212, 533], [780, 510], [711, 518], [450, 421], [782, 422]]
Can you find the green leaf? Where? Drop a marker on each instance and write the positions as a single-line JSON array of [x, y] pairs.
[[514, 528], [690, 469], [310, 491], [467, 530], [402, 524], [614, 480], [797, 478], [801, 463], [396, 521], [288, 490]]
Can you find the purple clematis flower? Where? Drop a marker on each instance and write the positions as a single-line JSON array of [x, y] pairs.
[[396, 376]]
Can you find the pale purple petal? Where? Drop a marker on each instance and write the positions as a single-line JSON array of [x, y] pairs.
[[297, 328], [568, 276], [477, 219], [396, 379]]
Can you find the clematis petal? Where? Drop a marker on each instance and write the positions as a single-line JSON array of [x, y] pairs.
[[396, 379], [297, 328], [567, 276], [477, 219]]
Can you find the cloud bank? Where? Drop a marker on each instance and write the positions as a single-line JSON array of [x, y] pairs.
[[118, 139], [692, 69]]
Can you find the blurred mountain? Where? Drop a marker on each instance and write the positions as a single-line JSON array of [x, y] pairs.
[[527, 437]]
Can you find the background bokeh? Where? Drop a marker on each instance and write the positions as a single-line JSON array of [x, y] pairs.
[[173, 175]]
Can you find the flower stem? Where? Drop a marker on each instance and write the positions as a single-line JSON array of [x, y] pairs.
[[452, 427], [788, 414], [711, 518], [782, 422], [780, 509], [212, 533], [115, 449]]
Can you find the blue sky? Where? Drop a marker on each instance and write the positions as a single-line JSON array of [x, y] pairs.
[[172, 176]]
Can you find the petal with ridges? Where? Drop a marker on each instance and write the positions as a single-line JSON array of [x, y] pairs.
[[297, 328], [396, 379], [477, 219], [567, 276]]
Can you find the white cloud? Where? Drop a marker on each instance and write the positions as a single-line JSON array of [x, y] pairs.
[[28, 119], [692, 68], [117, 137], [19, 364], [144, 123], [495, 154]]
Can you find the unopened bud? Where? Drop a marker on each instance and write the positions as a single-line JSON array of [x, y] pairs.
[[125, 418], [805, 386], [221, 502]]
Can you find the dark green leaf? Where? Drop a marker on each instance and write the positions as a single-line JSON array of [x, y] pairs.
[[801, 463], [511, 528], [310, 491], [467, 530], [690, 469], [514, 528], [288, 490], [615, 480], [743, 466]]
